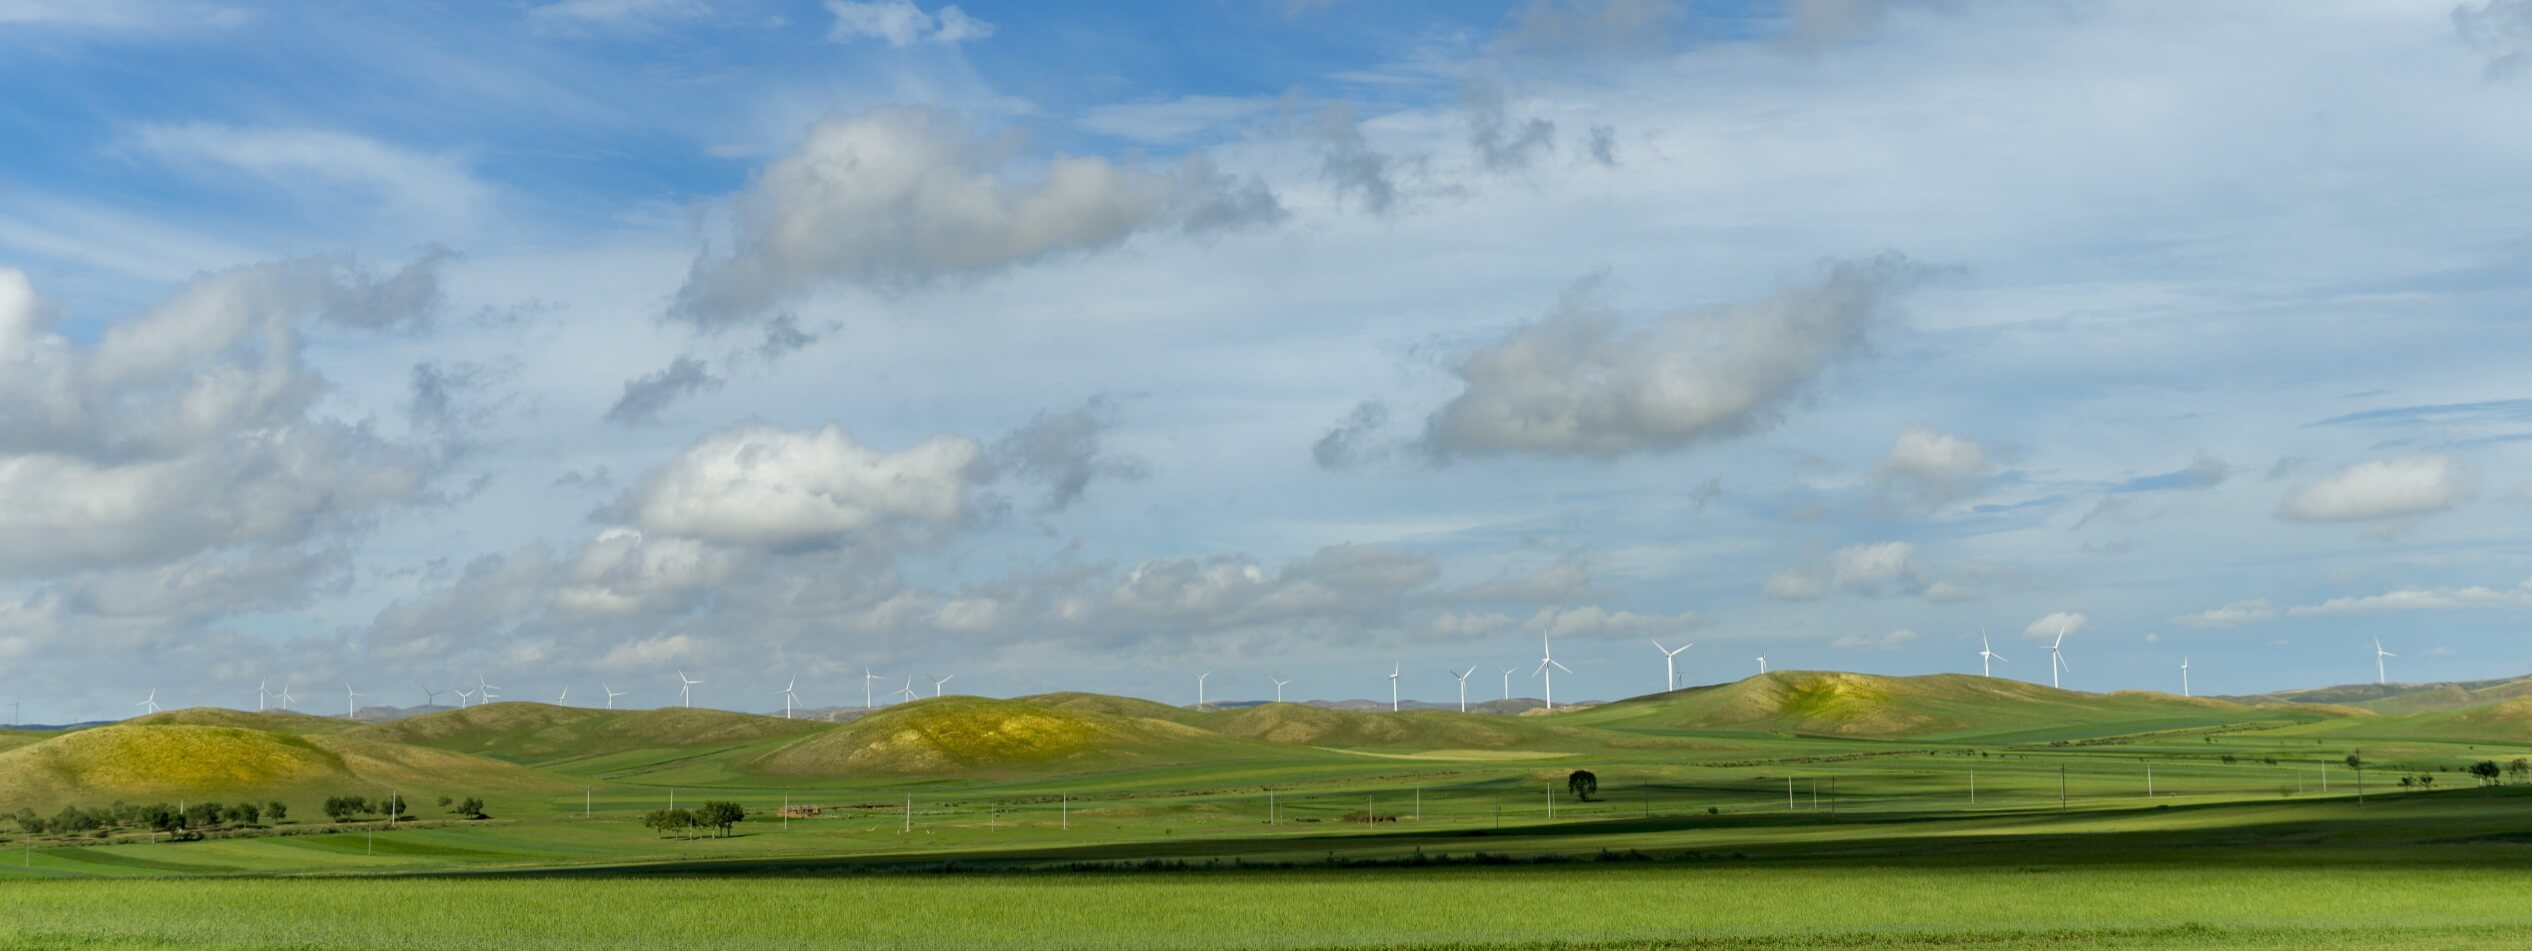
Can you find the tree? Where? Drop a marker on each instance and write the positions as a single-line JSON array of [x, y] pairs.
[[2519, 768], [2486, 771], [343, 808], [472, 808], [203, 815], [2426, 781], [161, 817], [2355, 762], [275, 811], [1582, 784], [720, 815], [393, 806], [665, 821]]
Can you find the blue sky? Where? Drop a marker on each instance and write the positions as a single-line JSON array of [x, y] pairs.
[[1092, 346]]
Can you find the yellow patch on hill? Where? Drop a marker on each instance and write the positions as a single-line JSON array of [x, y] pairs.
[[966, 734], [123, 760]]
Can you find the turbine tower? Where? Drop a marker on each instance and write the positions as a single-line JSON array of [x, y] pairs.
[[259, 693], [1393, 686], [685, 689], [788, 698], [2379, 654], [285, 695], [462, 697], [150, 705], [1547, 669], [2184, 675], [1507, 681], [563, 699], [349, 707], [1670, 664], [2056, 658], [1200, 690], [867, 677], [1279, 689], [907, 693], [430, 697], [1987, 656], [1463, 686], [483, 690], [937, 682], [612, 693], [1762, 662]]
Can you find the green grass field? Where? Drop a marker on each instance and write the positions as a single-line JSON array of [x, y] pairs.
[[1794, 810]]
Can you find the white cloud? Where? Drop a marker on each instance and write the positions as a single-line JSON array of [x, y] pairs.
[[903, 198], [1597, 623], [1455, 625], [1580, 384], [436, 187], [2421, 599], [2048, 626], [1790, 585], [1868, 568], [1927, 469], [900, 23], [769, 487], [2235, 614], [2415, 485], [1891, 641]]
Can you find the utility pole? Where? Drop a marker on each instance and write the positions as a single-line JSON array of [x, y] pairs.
[[1419, 804], [909, 814], [1973, 787], [1789, 794], [2061, 789], [1270, 807], [1064, 802], [1551, 800], [786, 812], [584, 802], [2149, 782]]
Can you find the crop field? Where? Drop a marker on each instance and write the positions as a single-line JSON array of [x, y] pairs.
[[1795, 810]]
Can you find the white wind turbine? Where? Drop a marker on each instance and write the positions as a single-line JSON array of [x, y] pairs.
[[1507, 681], [867, 677], [907, 693], [259, 693], [285, 696], [350, 706], [937, 682], [1987, 656], [563, 699], [2184, 675], [612, 693], [2057, 658], [483, 689], [685, 689], [1393, 686], [1463, 686], [462, 697], [1762, 662], [1547, 669], [430, 697], [150, 705], [1200, 690], [2379, 654], [788, 698], [1670, 664], [1279, 689]]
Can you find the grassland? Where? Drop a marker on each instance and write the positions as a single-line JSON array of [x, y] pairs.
[[1797, 809]]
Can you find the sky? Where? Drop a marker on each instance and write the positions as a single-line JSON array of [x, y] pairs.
[[568, 344]]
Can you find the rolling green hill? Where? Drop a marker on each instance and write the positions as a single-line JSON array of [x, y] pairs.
[[542, 734], [1938, 705], [139, 761], [981, 736]]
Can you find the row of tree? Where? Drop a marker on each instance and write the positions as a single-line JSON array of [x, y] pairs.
[[155, 817], [719, 816]]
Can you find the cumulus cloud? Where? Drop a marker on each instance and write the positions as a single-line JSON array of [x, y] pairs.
[[2391, 488], [903, 198], [1502, 143], [900, 23], [2421, 599], [1928, 469], [1597, 623], [1870, 568], [1354, 439], [1891, 641], [194, 426], [1791, 585], [2232, 615], [647, 396], [2048, 626], [1065, 452], [762, 486], [1349, 163], [1581, 384]]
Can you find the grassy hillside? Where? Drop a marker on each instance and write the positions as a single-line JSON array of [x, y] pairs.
[[142, 761], [1939, 705], [1112, 706], [1296, 724], [271, 721], [542, 734], [980, 736]]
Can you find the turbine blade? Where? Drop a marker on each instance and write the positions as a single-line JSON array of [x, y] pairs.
[[1562, 667]]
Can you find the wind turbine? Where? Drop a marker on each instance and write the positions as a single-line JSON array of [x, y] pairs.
[[285, 695], [612, 693], [2184, 675], [1279, 689], [150, 705], [563, 699], [1507, 681], [1547, 669], [1200, 690], [1670, 664], [1762, 662], [2379, 654], [937, 682], [349, 709], [462, 697], [1987, 656], [867, 677], [1393, 686], [259, 693], [2056, 658], [1463, 686], [685, 689], [483, 688], [907, 693], [788, 698], [430, 697]]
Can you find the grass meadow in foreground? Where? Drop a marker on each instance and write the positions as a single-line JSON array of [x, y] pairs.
[[1524, 906]]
